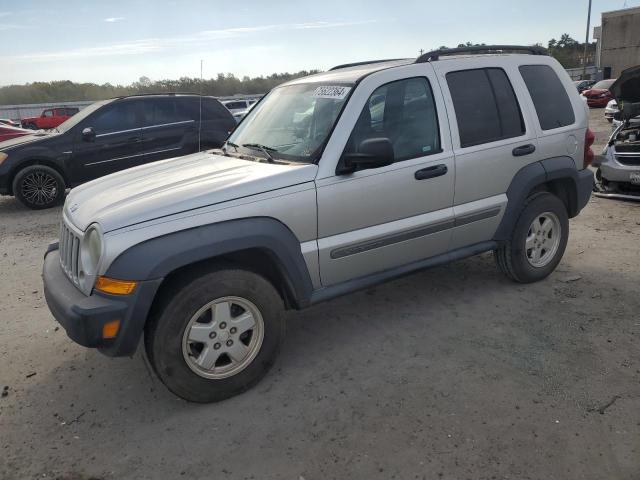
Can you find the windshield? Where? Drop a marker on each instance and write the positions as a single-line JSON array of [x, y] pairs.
[[603, 84], [81, 115], [293, 122]]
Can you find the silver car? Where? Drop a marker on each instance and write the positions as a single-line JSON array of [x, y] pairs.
[[332, 183]]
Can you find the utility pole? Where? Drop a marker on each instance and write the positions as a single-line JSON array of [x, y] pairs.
[[200, 108], [586, 43]]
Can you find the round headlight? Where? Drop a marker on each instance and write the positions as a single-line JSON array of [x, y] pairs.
[[92, 251]]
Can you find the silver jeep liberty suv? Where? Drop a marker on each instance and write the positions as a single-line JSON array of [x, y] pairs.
[[332, 183]]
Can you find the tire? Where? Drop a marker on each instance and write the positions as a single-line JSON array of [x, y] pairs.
[[39, 187], [173, 346], [518, 262], [32, 126]]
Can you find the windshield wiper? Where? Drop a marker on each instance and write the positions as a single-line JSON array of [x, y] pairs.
[[263, 148], [230, 143]]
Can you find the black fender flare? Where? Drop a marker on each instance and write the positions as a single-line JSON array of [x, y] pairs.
[[159, 256], [538, 173]]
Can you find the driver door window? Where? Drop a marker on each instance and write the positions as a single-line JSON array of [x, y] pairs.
[[118, 118], [404, 112]]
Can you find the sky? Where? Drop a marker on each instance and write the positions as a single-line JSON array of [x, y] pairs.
[[119, 41]]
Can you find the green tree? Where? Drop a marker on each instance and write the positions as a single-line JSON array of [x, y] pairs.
[[67, 91]]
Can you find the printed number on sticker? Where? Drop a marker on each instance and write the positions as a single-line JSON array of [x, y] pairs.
[[331, 91]]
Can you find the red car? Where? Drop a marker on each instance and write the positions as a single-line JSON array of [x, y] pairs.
[[50, 118], [7, 132], [599, 95]]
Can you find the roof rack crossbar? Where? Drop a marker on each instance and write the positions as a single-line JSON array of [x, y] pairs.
[[435, 54], [356, 64]]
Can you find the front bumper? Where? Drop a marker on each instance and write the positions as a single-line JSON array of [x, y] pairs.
[[614, 171], [83, 316]]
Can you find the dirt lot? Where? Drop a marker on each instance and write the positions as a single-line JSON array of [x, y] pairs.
[[451, 373]]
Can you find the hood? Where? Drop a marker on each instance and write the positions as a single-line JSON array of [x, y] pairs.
[[24, 139], [627, 86], [626, 91], [175, 185]]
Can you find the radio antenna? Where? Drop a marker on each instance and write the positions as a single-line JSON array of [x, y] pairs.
[[200, 119]]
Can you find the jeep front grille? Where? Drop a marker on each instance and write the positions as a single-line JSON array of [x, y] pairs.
[[69, 252]]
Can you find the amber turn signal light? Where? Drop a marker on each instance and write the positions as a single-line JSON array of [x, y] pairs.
[[115, 287], [110, 329]]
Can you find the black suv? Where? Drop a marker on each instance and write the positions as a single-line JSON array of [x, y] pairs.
[[108, 136]]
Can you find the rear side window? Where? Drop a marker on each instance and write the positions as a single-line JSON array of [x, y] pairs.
[[214, 110], [486, 106], [549, 96], [235, 105], [159, 111], [187, 108]]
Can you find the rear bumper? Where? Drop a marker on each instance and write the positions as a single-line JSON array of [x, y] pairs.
[[598, 102], [83, 317], [584, 187]]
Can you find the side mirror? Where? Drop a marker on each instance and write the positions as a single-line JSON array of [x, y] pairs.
[[88, 134], [372, 153]]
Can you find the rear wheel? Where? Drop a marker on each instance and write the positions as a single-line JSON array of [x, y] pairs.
[[217, 335], [38, 187], [538, 240]]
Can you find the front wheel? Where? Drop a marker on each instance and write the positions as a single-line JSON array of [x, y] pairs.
[[538, 240], [215, 336], [38, 187]]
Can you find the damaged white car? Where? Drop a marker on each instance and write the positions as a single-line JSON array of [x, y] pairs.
[[618, 168]]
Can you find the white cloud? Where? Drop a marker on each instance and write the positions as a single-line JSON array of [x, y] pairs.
[[113, 19], [8, 26], [152, 45]]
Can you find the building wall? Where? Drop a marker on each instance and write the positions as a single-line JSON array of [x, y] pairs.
[[18, 112], [620, 47]]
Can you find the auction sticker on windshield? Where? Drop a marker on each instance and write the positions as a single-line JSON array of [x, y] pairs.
[[331, 91]]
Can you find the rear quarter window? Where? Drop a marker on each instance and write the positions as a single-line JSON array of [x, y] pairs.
[[486, 106], [549, 96]]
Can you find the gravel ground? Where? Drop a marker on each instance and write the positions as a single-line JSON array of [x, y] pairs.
[[451, 373]]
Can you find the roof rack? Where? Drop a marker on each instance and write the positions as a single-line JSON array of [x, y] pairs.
[[159, 94], [435, 54], [355, 64]]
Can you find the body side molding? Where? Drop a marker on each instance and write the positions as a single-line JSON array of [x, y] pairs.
[[348, 286]]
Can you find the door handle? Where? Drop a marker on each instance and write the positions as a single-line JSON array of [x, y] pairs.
[[431, 172], [523, 150]]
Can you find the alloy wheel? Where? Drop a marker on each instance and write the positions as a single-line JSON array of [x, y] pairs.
[[543, 239], [39, 188], [223, 337]]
